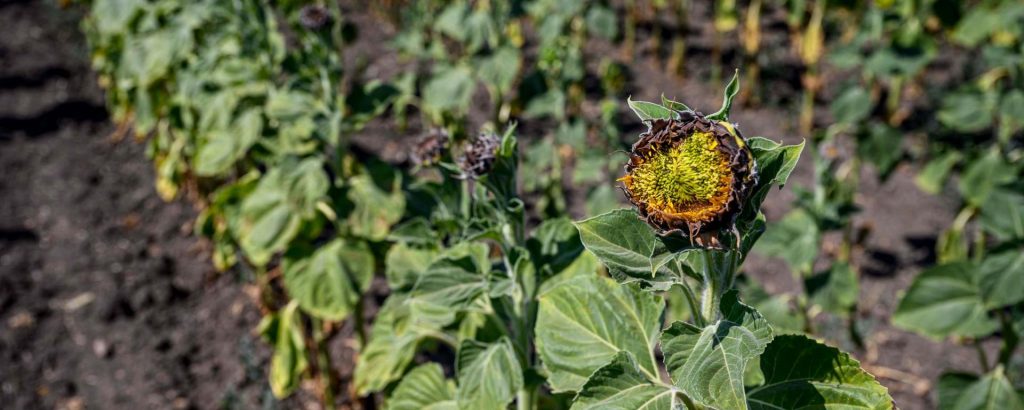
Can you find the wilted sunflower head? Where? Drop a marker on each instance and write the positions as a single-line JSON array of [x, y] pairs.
[[313, 16], [479, 154], [690, 175]]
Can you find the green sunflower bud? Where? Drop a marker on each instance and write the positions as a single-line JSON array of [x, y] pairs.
[[690, 175]]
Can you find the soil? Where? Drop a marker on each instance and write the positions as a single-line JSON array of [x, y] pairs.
[[107, 300]]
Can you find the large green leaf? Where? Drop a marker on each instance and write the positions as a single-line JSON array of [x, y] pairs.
[[453, 283], [423, 388], [1000, 278], [880, 145], [489, 374], [951, 386], [376, 207], [328, 282], [852, 106], [404, 264], [992, 392], [967, 111], [945, 300], [283, 331], [227, 146], [391, 347], [449, 90], [499, 70], [584, 322], [624, 243], [273, 212], [709, 364], [622, 385], [800, 373]]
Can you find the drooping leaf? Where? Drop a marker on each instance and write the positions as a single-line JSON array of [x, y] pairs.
[[489, 374], [554, 245], [283, 331], [800, 373], [376, 207], [423, 388], [945, 300], [932, 178], [329, 281], [709, 364], [621, 385], [584, 322], [391, 347]]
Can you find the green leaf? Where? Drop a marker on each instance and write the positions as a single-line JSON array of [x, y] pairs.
[[674, 105], [489, 374], [835, 290], [273, 212], [1003, 214], [1011, 114], [404, 264], [708, 364], [650, 111], [967, 111], [775, 162], [584, 322], [932, 178], [794, 239], [624, 243], [376, 207], [283, 330], [391, 347], [454, 283], [622, 385], [449, 90], [982, 176], [880, 145], [803, 374], [601, 22], [945, 300], [500, 69], [227, 146], [328, 283], [423, 388], [992, 392], [852, 106], [951, 387], [554, 245], [1000, 276], [730, 92]]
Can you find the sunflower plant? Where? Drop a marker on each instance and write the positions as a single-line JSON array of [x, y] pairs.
[[696, 185]]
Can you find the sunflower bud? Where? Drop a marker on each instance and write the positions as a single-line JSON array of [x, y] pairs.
[[430, 147], [478, 157], [313, 17], [690, 175]]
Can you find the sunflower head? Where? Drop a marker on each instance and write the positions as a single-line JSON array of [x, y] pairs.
[[691, 175], [479, 154]]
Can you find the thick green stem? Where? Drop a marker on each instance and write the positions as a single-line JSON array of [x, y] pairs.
[[526, 398]]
